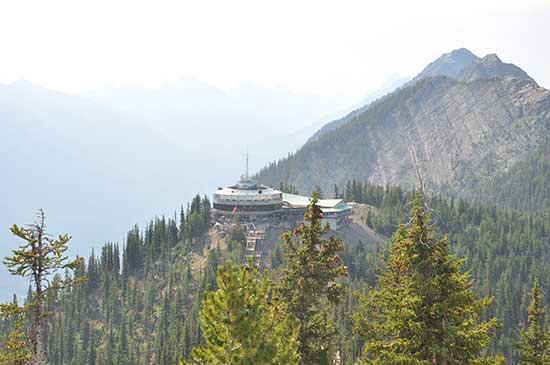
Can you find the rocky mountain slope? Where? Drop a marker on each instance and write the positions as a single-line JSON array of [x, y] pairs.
[[456, 132], [449, 64], [391, 84], [491, 66]]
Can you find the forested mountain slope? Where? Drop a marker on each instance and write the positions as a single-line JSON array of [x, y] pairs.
[[140, 303], [505, 249], [455, 132], [526, 186], [391, 84]]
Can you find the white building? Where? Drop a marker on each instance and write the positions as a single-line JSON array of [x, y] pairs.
[[253, 202], [246, 198], [335, 211]]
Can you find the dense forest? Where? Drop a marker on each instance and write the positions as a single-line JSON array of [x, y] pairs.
[[526, 186], [505, 249], [160, 296]]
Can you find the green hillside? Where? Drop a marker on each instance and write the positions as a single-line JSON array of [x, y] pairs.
[[141, 301]]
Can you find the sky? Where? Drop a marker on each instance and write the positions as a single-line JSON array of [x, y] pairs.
[[344, 48]]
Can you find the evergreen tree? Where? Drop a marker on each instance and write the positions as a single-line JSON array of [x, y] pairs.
[[196, 227], [243, 322], [182, 225], [196, 205], [347, 192], [206, 211], [354, 190], [14, 350], [151, 310], [310, 284], [534, 346], [423, 309], [36, 259], [319, 191]]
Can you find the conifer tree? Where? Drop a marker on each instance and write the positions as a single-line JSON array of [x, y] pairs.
[[534, 346], [423, 309], [244, 322], [319, 191], [182, 225], [347, 192], [206, 211], [14, 350], [310, 283], [40, 257]]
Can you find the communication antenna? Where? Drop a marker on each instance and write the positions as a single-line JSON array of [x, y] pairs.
[[246, 173]]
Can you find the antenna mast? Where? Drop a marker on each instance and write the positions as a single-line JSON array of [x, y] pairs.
[[246, 162]]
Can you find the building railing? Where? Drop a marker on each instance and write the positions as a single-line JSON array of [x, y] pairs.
[[247, 208]]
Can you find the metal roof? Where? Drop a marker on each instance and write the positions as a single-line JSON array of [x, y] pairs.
[[234, 190], [296, 201]]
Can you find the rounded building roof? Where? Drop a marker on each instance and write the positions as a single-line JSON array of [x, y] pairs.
[[247, 191], [257, 190]]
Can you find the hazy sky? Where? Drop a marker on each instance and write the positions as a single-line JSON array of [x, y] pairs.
[[337, 47]]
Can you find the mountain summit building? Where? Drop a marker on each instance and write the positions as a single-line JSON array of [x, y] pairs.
[[247, 198], [251, 202]]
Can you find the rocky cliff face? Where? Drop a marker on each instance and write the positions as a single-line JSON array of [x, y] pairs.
[[454, 132], [491, 66]]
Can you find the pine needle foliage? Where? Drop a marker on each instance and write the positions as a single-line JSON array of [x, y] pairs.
[[534, 346], [37, 260], [14, 350], [244, 322], [423, 309], [311, 283]]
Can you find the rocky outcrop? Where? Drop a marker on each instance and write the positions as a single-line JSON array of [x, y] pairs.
[[491, 66]]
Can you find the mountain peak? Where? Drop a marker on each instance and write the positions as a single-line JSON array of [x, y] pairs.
[[460, 53], [22, 83], [458, 134], [490, 59], [491, 66], [449, 64]]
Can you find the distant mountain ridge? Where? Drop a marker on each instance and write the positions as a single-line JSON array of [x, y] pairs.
[[94, 161], [457, 132]]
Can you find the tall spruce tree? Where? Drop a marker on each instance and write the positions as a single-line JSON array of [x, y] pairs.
[[534, 346], [311, 283], [244, 322], [38, 259], [423, 309]]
